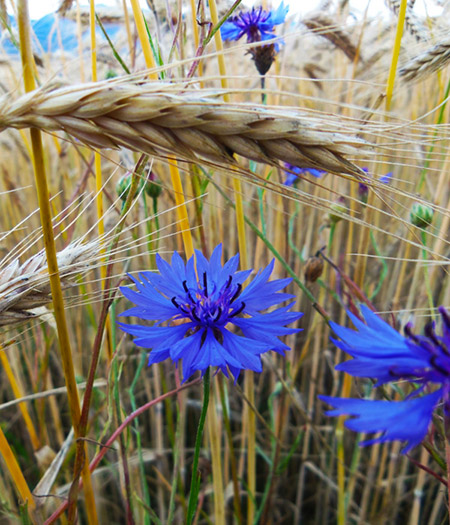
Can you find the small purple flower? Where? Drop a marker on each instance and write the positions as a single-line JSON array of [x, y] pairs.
[[363, 189], [257, 25], [292, 178], [381, 353], [206, 317]]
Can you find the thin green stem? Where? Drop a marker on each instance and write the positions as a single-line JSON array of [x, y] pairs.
[[195, 480]]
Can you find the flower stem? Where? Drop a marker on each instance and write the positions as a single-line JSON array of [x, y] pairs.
[[426, 273], [195, 480]]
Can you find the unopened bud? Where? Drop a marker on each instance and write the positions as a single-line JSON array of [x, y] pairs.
[[339, 207], [421, 215], [313, 269], [153, 186]]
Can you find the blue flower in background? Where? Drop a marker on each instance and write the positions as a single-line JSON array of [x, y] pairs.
[[363, 189], [381, 353], [198, 314], [292, 177], [52, 33], [257, 24]]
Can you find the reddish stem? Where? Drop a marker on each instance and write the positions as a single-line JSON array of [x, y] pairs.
[[116, 434]]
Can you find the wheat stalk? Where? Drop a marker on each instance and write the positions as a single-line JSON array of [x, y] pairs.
[[160, 120], [413, 25], [427, 62], [26, 287]]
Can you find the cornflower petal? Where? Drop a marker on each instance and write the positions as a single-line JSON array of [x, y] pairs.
[[381, 353], [398, 420]]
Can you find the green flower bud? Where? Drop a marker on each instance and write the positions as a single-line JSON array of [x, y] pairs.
[[421, 215], [338, 206], [153, 186]]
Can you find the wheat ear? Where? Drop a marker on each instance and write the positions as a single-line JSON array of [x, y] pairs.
[[26, 287], [428, 62], [152, 119]]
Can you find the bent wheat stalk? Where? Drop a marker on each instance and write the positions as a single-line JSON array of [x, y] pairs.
[[157, 120]]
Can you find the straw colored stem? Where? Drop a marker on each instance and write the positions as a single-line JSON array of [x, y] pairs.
[[395, 54], [15, 472], [146, 48], [183, 218], [49, 242], [19, 394], [125, 423]]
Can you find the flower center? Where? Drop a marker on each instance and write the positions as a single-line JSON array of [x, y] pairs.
[[210, 308]]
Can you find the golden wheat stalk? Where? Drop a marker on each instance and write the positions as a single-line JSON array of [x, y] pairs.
[[428, 62], [161, 121], [25, 288], [412, 23]]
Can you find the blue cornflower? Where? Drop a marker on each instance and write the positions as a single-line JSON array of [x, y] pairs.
[[198, 314], [381, 353], [292, 178], [257, 25]]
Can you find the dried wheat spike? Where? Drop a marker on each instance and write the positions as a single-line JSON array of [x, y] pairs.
[[64, 6], [413, 25], [428, 62], [328, 29], [26, 287], [159, 120]]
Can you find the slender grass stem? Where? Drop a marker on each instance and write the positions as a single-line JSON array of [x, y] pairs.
[[126, 422], [50, 250], [195, 479], [15, 471], [17, 391], [395, 54]]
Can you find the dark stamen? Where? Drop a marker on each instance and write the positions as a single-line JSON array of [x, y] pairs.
[[431, 334], [438, 367], [194, 315], [219, 313], [237, 293], [205, 283], [186, 289], [175, 302], [229, 282], [238, 311], [410, 334]]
